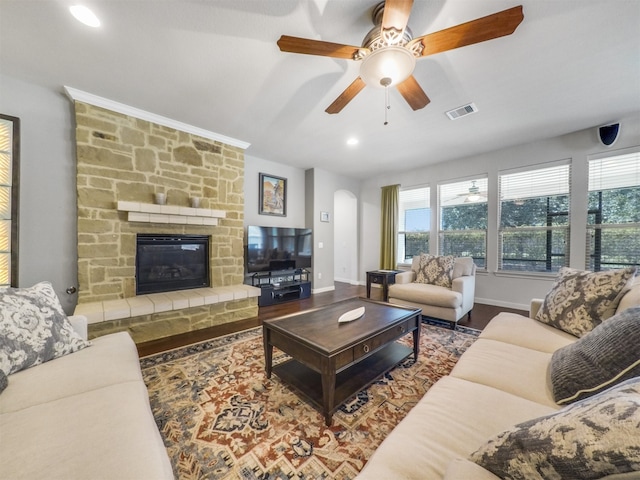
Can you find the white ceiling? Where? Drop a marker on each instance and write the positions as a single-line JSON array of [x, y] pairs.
[[214, 64]]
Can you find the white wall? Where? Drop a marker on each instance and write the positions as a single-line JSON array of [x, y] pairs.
[[253, 167], [295, 195], [345, 237], [47, 245], [321, 187], [492, 288]]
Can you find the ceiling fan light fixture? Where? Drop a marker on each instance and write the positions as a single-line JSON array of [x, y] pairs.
[[393, 63], [84, 15], [474, 193]]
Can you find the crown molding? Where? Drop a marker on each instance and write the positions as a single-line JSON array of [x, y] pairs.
[[80, 96]]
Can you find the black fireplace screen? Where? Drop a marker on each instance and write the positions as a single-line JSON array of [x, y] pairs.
[[171, 262]]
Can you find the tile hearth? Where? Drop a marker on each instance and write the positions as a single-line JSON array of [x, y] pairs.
[[109, 310]]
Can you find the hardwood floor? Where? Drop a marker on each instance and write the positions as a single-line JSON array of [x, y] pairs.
[[480, 316]]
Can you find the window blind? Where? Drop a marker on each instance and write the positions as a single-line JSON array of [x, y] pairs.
[[614, 172], [6, 195], [535, 183], [414, 222], [613, 225], [414, 207], [461, 193], [533, 234], [463, 219]]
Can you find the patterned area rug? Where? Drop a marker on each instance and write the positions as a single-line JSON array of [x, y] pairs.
[[221, 418]]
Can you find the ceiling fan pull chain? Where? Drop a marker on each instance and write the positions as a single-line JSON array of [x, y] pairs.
[[386, 105], [385, 82]]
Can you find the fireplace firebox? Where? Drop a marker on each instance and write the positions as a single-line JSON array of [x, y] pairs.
[[171, 262]]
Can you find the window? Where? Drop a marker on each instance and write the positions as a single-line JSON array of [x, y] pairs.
[[9, 176], [463, 219], [613, 222], [534, 219], [414, 222]]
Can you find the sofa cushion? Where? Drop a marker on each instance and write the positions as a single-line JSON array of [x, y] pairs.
[[580, 300], [510, 368], [607, 355], [463, 266], [632, 297], [589, 439], [112, 359], [435, 270], [461, 468], [415, 263], [424, 293], [34, 328], [4, 381], [107, 433], [526, 332], [442, 427]]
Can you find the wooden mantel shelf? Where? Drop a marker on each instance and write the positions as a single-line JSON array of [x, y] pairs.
[[175, 214]]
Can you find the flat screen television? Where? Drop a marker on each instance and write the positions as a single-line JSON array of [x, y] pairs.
[[276, 248]]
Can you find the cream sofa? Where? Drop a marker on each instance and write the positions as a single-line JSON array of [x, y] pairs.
[[500, 381], [85, 415], [450, 304]]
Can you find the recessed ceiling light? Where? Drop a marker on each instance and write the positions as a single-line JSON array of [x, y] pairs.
[[84, 15], [352, 141]]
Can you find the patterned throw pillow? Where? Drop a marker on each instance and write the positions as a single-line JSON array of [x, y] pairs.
[[33, 328], [580, 300], [4, 381], [436, 270], [604, 357], [589, 439]]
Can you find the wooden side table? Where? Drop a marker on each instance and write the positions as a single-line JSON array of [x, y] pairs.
[[381, 277]]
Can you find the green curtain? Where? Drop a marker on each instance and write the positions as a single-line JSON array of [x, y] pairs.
[[389, 227]]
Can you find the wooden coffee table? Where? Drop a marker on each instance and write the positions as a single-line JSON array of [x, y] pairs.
[[330, 361]]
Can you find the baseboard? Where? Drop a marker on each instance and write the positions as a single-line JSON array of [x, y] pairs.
[[347, 280], [499, 303], [323, 289]]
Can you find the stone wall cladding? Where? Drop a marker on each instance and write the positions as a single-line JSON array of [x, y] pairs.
[[125, 158]]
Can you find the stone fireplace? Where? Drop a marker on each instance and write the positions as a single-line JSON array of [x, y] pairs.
[[123, 161]]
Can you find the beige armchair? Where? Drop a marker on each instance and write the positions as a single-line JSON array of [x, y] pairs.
[[449, 304]]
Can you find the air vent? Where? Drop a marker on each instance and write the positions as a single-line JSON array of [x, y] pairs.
[[462, 111]]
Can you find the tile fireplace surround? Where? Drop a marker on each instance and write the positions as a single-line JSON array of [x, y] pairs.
[[122, 161]]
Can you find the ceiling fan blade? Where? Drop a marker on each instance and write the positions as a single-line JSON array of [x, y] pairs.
[[345, 97], [316, 47], [396, 14], [413, 93], [479, 30]]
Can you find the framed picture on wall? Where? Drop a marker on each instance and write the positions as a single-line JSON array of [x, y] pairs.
[[273, 195]]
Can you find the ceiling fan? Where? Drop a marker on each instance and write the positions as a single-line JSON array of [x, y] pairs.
[[473, 195], [389, 51]]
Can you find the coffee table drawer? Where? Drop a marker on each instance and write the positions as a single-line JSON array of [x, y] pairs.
[[377, 278], [367, 346]]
